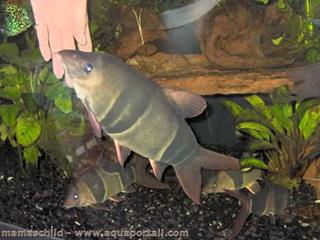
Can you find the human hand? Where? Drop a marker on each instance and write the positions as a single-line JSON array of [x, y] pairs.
[[61, 24]]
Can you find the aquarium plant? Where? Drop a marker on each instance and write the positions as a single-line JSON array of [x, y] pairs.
[[36, 110], [284, 134]]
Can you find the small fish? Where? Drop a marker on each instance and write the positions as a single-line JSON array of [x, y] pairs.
[[261, 200], [140, 116], [107, 179], [16, 16], [184, 15]]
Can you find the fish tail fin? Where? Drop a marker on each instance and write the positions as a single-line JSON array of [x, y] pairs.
[[189, 174]]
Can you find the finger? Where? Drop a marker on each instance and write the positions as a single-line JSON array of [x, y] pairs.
[[43, 38], [80, 20], [87, 47], [56, 45], [68, 41], [55, 40], [57, 66]]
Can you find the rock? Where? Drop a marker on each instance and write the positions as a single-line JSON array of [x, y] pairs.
[[239, 36], [130, 38]]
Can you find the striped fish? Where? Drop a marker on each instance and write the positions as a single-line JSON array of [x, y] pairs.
[[107, 179], [140, 116], [262, 197]]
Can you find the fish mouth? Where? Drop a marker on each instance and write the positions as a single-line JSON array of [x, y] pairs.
[[67, 58]]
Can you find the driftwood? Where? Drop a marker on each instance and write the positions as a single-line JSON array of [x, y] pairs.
[[193, 73]]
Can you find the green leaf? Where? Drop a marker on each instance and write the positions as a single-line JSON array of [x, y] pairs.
[[43, 74], [259, 105], [28, 131], [64, 101], [4, 132], [31, 154], [310, 122], [8, 70], [265, 2], [235, 109], [11, 92], [54, 90], [9, 50], [9, 114], [277, 41], [259, 144], [254, 126], [253, 162], [281, 116]]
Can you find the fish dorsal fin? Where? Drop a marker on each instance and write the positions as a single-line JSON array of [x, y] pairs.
[[187, 104]]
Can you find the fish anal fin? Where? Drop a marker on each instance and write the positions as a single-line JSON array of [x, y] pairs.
[[122, 153], [187, 104]]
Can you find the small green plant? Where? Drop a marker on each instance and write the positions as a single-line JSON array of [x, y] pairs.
[[35, 105], [285, 134]]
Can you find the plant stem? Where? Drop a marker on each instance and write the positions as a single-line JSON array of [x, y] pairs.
[[139, 23]]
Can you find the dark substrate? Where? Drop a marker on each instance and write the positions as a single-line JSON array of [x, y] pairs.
[[36, 203]]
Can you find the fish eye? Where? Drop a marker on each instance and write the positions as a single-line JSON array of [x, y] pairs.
[[88, 67], [75, 196]]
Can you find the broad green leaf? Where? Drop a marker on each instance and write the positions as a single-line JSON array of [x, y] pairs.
[[64, 101], [281, 4], [259, 105], [309, 123], [235, 109], [253, 162], [31, 154], [281, 116], [43, 74], [11, 92], [4, 132], [303, 107], [9, 114], [54, 90], [259, 144], [51, 79], [8, 70], [254, 126], [28, 131], [9, 50]]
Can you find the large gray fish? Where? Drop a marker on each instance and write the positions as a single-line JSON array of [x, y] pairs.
[[140, 116]]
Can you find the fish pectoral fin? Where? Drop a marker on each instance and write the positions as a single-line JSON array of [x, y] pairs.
[[158, 168], [93, 121], [187, 104], [122, 153], [189, 173], [243, 214]]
